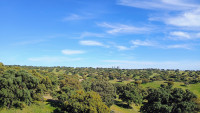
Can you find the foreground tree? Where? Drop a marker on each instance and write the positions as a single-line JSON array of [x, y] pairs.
[[68, 84], [71, 82], [106, 90], [129, 93], [16, 88], [167, 100], [85, 102]]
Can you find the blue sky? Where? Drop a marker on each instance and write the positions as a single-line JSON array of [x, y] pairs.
[[101, 33]]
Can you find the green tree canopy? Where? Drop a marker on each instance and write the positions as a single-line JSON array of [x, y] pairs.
[[85, 102], [129, 93], [16, 87], [68, 84], [167, 100], [106, 90]]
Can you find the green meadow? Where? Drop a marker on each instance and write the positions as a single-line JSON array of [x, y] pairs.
[[195, 88], [38, 107]]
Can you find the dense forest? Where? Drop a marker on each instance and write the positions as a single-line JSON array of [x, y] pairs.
[[100, 90]]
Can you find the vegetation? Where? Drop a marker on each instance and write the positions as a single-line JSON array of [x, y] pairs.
[[89, 102], [98, 90], [17, 88], [168, 100], [106, 90], [129, 93], [36, 107]]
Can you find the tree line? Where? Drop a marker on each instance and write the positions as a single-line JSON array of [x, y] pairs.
[[88, 90]]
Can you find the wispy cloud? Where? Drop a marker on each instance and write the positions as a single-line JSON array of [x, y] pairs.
[[72, 17], [159, 4], [122, 28], [185, 19], [179, 46], [52, 59], [187, 12], [90, 34], [92, 43], [72, 52], [179, 35], [122, 48], [198, 35], [137, 43]]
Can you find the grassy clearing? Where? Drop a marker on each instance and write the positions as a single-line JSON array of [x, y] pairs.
[[195, 88], [118, 109], [40, 107], [154, 74], [120, 82], [59, 72], [154, 84], [121, 107]]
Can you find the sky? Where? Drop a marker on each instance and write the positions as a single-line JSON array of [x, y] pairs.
[[131, 34]]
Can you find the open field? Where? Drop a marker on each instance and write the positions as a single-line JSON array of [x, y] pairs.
[[195, 88], [39, 107], [118, 109], [121, 107]]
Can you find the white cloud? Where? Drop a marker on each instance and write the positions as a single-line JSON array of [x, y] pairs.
[[137, 43], [89, 34], [71, 52], [142, 43], [188, 15], [122, 28], [122, 48], [179, 46], [186, 19], [52, 59], [72, 17], [159, 4], [180, 35], [198, 35], [92, 43]]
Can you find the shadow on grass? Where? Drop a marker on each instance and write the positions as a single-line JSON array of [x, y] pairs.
[[57, 104], [121, 104], [183, 85], [54, 103]]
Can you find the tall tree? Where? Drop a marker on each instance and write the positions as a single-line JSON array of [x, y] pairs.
[[129, 93], [85, 102], [16, 88], [106, 90]]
